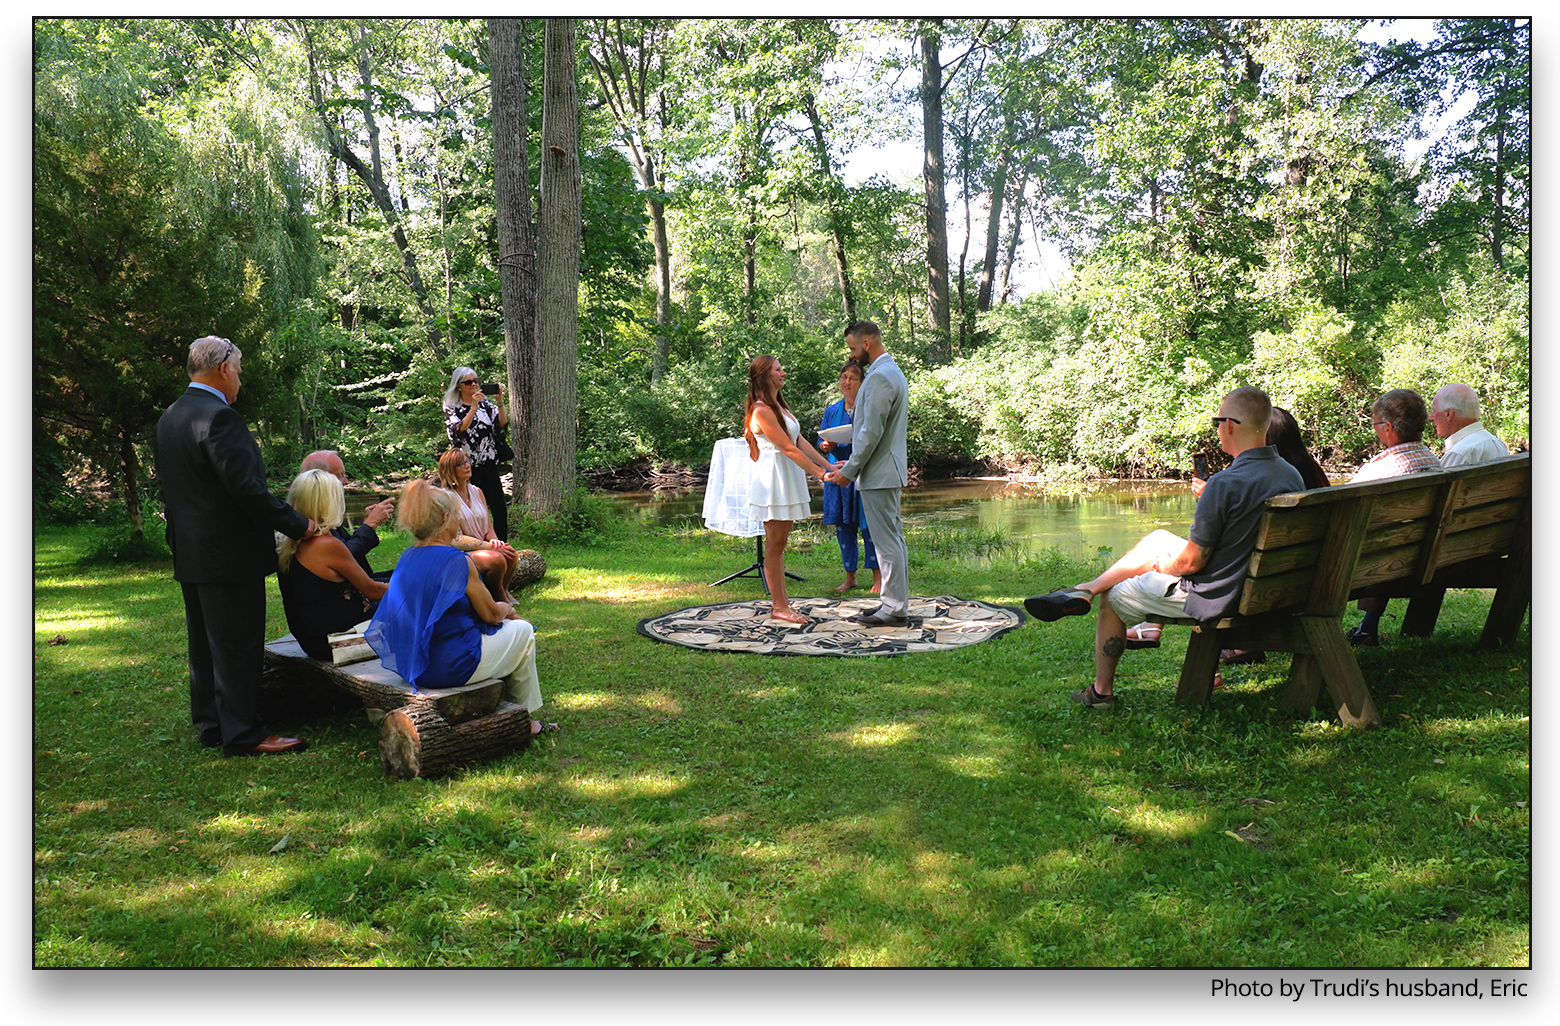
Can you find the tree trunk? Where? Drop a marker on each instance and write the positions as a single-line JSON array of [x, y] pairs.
[[663, 292], [938, 318], [1498, 193], [371, 176], [988, 269], [553, 419], [831, 206], [1014, 238], [130, 466], [516, 250]]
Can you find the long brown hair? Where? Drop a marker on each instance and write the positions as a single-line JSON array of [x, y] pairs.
[[761, 389]]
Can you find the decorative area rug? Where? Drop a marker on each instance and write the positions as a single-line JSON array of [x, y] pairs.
[[935, 624]]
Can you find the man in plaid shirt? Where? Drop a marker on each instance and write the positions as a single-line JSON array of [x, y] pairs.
[[1399, 418]]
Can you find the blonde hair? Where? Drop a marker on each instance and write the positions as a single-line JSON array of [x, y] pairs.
[[317, 495], [425, 509]]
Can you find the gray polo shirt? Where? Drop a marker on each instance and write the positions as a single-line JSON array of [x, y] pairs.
[[1225, 526]]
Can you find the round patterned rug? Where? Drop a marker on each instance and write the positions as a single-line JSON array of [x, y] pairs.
[[935, 624]]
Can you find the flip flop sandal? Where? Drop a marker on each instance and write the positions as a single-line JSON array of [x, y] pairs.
[[547, 728], [1066, 602], [1143, 635]]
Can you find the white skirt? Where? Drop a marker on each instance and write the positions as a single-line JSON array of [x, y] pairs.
[[779, 488]]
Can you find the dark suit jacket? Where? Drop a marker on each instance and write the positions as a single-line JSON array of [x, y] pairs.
[[221, 514], [360, 542]]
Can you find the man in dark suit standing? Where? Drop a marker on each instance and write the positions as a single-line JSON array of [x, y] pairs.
[[362, 540], [221, 517]]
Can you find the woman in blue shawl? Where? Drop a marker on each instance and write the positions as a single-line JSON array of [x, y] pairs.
[[842, 503], [438, 626]]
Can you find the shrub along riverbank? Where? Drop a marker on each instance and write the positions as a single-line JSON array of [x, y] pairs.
[[937, 809]]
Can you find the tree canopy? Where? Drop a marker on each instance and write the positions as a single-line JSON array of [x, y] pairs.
[[1238, 200]]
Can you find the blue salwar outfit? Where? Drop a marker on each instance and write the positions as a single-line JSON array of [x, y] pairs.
[[842, 503]]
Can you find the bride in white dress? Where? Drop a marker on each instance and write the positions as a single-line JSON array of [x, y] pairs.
[[783, 459]]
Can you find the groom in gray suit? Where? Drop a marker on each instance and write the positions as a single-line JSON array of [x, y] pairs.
[[878, 465]]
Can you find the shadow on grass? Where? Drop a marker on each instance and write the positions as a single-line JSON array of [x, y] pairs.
[[944, 808]]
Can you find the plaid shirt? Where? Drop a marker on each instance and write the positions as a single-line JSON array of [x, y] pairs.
[[1404, 458]]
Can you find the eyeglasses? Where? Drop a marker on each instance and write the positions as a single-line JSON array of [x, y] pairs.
[[1220, 420]]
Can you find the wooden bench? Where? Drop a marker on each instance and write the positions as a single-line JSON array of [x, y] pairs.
[[1412, 536], [421, 732]]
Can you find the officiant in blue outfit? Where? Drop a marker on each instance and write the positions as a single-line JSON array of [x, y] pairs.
[[842, 503]]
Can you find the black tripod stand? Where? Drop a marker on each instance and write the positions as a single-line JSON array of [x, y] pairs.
[[758, 565]]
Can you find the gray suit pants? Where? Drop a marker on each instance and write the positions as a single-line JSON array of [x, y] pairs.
[[881, 505]]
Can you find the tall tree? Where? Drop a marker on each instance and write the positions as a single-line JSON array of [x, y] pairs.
[[932, 180], [165, 208], [358, 45], [550, 477], [516, 249], [629, 60]]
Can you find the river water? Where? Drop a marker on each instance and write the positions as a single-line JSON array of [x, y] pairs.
[[1077, 519]]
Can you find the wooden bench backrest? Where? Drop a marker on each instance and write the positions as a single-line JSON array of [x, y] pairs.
[[1315, 547]]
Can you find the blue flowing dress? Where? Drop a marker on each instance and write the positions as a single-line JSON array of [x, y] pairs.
[[425, 629], [842, 503]]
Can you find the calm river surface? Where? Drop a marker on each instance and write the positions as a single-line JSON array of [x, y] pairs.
[[1077, 519]]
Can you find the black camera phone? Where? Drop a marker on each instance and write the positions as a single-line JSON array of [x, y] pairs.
[[1200, 466], [491, 389]]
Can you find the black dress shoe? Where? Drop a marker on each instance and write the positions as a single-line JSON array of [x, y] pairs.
[[273, 745], [1363, 639]]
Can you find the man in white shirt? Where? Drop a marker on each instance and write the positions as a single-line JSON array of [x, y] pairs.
[[1455, 413]]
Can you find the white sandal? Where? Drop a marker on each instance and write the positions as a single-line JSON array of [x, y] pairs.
[[1143, 635]]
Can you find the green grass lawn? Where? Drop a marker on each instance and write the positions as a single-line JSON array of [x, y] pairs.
[[698, 808]]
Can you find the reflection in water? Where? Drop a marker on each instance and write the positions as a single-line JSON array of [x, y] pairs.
[[1077, 519]]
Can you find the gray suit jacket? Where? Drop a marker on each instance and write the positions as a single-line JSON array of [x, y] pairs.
[[878, 458]]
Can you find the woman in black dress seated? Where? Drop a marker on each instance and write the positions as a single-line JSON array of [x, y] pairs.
[[324, 590]]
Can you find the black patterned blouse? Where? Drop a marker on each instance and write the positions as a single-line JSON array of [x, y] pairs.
[[480, 440]]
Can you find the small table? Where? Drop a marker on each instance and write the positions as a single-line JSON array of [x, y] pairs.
[[726, 506]]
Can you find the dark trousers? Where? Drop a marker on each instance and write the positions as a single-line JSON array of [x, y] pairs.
[[225, 623], [486, 477]]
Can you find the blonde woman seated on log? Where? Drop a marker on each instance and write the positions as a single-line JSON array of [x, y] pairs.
[[437, 626], [496, 560], [324, 588]]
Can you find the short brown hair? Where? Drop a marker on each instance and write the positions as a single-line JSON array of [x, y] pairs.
[[1404, 409]]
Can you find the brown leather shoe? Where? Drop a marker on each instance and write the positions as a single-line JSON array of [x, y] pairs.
[[274, 745]]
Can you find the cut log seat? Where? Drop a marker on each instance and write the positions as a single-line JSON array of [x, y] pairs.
[[421, 732]]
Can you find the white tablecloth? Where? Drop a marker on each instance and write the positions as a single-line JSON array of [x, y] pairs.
[[726, 506]]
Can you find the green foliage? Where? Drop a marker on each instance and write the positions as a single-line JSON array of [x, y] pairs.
[[1324, 374], [1480, 337], [583, 519]]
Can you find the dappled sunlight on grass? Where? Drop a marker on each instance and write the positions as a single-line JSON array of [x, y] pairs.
[[878, 735], [739, 810], [984, 767], [644, 784], [1166, 824]]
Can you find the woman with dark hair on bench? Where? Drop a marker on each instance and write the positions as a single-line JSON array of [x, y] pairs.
[[1284, 435]]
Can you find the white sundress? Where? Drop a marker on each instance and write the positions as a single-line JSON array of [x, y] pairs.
[[779, 486]]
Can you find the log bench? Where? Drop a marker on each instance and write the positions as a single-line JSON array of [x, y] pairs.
[[1409, 537], [422, 733]]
